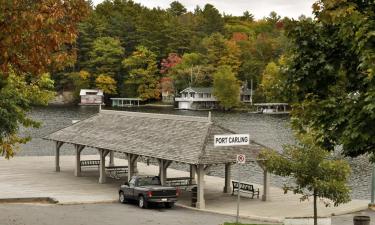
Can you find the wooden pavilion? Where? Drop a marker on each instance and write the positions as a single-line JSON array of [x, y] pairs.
[[167, 138]]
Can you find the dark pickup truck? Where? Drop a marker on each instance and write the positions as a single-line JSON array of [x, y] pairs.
[[146, 189]]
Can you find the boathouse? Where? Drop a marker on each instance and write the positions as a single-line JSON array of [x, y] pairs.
[[91, 97], [196, 98], [185, 139]]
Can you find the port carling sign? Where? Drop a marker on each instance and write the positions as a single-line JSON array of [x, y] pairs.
[[231, 139]]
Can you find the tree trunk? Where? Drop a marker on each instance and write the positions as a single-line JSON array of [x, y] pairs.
[[315, 209]]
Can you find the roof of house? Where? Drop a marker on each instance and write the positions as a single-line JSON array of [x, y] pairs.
[[84, 91], [184, 139], [208, 90]]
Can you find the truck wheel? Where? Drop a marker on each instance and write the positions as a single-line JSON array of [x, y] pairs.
[[169, 205], [122, 198], [142, 203]]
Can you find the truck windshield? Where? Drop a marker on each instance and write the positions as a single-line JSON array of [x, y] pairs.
[[144, 181]]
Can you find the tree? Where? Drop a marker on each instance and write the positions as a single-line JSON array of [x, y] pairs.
[[273, 82], [36, 35], [190, 72], [314, 172], [210, 20], [170, 62], [226, 87], [247, 16], [105, 56], [331, 75], [106, 83], [143, 73], [16, 98], [176, 8]]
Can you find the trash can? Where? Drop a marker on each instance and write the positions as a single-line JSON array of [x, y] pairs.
[[361, 220], [194, 194]]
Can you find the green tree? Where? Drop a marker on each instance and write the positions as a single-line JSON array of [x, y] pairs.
[[226, 87], [106, 83], [273, 82], [176, 8], [315, 173], [105, 56], [190, 72], [247, 16], [210, 20], [16, 99], [143, 73], [331, 75]]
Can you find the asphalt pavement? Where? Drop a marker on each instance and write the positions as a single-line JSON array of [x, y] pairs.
[[106, 214]]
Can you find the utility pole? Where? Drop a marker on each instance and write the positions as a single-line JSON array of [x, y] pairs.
[[373, 186], [251, 92]]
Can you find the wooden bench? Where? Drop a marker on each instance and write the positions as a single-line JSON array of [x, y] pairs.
[[179, 181], [115, 172], [89, 163], [246, 188]]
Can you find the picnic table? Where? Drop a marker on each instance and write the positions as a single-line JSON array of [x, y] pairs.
[[115, 172], [179, 181]]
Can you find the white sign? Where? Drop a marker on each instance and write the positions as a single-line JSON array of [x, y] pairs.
[[241, 158], [231, 139]]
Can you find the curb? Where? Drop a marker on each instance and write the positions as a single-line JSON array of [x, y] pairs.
[[43, 200], [349, 211], [87, 202], [258, 218]]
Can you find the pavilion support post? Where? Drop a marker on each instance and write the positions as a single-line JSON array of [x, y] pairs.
[[57, 156], [132, 163], [77, 170], [163, 166], [111, 158], [228, 168], [102, 176], [200, 195], [266, 186], [193, 171]]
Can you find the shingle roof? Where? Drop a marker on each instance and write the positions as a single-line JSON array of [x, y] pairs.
[[178, 138], [208, 90]]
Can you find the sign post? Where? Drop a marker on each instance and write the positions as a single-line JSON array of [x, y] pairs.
[[234, 140], [241, 159]]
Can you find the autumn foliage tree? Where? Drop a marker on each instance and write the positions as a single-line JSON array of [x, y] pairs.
[[143, 73], [106, 83], [35, 36], [38, 34]]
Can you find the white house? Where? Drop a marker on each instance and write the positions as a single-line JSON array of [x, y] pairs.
[[91, 97], [196, 98]]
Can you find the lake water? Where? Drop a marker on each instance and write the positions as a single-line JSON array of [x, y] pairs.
[[270, 130]]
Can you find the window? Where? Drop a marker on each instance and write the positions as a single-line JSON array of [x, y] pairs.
[[208, 95], [185, 95], [145, 181], [132, 182], [200, 95], [192, 95]]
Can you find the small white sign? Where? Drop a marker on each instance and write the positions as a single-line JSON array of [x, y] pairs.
[[241, 158], [231, 139]]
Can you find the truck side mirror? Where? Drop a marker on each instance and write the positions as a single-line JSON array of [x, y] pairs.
[[126, 183]]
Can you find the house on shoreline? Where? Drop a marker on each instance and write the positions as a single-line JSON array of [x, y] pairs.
[[201, 98], [91, 97], [196, 98]]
